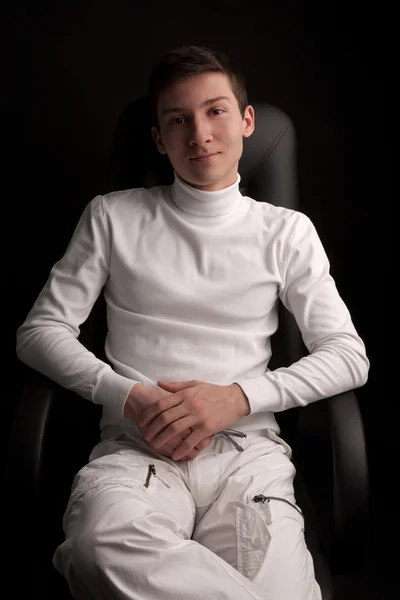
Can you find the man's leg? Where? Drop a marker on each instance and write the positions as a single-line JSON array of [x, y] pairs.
[[255, 525], [127, 541]]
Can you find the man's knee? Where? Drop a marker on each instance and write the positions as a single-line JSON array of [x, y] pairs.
[[81, 557]]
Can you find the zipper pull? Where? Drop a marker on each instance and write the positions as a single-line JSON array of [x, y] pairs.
[[260, 498], [265, 502], [152, 471]]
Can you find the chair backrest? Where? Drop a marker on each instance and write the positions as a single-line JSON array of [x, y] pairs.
[[268, 174]]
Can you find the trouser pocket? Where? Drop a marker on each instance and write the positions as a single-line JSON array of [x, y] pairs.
[[256, 522], [253, 537]]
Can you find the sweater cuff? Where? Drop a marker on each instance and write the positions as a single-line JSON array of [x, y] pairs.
[[112, 390], [262, 393]]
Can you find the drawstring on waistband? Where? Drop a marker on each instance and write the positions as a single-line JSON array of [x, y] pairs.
[[233, 432]]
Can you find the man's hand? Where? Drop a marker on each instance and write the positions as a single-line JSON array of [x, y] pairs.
[[204, 407], [139, 399]]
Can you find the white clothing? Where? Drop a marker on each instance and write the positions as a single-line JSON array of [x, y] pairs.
[[192, 280], [224, 526]]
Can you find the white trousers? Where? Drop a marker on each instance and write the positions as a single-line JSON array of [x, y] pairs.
[[224, 526]]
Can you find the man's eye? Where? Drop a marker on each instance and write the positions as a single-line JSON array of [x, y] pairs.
[[213, 110]]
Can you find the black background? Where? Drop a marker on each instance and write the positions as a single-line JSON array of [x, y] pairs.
[[69, 70]]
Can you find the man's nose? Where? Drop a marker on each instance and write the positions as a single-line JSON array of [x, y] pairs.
[[200, 132]]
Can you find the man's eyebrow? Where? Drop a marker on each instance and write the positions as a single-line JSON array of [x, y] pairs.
[[205, 103]]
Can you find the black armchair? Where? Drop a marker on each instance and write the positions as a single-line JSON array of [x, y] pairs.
[[54, 429]]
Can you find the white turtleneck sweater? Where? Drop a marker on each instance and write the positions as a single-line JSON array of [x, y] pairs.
[[192, 280]]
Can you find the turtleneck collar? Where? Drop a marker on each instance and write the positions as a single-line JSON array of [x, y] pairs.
[[205, 205]]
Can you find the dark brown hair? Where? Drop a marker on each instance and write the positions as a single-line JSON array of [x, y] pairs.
[[193, 60]]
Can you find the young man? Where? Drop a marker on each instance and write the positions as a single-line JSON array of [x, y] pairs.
[[190, 493]]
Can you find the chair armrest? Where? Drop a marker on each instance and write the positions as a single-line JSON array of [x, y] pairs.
[[53, 432], [26, 446], [49, 439], [332, 457], [350, 480], [23, 471]]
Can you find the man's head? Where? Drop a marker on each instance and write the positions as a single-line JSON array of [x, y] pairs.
[[187, 124]]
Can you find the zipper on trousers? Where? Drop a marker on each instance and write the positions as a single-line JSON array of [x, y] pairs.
[[263, 499], [152, 471], [266, 507]]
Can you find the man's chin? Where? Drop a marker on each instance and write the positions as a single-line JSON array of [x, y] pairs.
[[200, 181], [196, 180]]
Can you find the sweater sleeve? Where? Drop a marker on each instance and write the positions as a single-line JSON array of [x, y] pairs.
[[337, 360], [47, 339]]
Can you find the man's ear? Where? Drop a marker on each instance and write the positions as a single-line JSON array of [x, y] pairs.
[[155, 134], [248, 121]]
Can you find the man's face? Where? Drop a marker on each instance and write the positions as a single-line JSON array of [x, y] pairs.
[[197, 128]]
